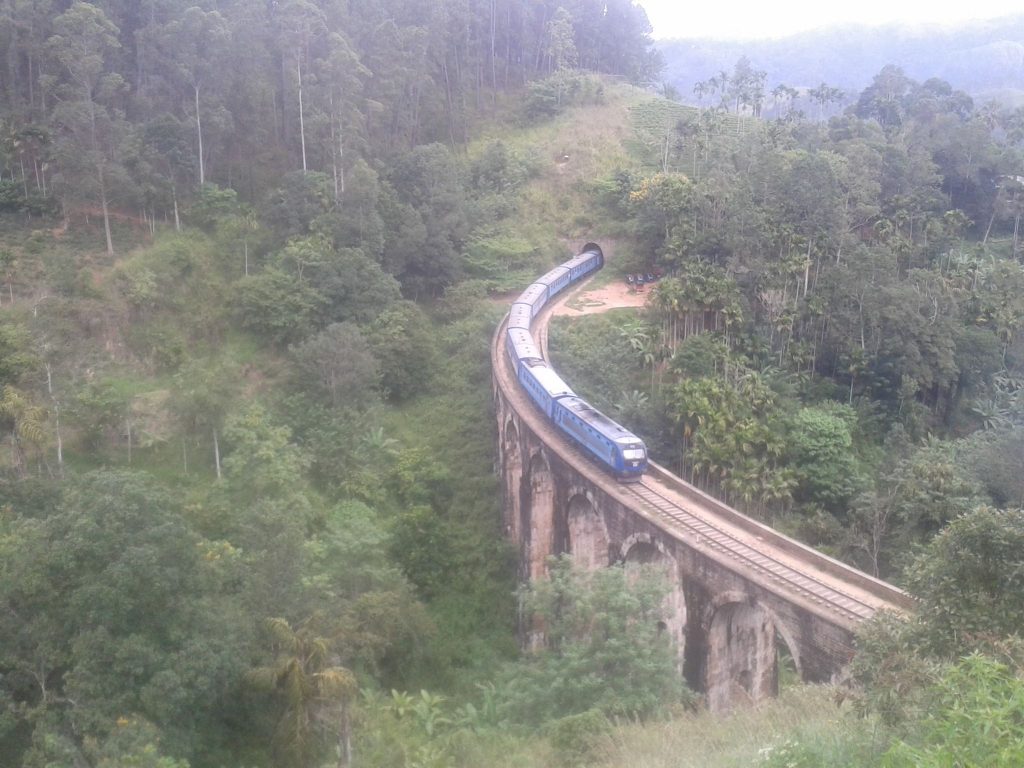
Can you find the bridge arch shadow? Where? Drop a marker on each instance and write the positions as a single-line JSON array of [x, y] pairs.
[[744, 641], [586, 536], [643, 549]]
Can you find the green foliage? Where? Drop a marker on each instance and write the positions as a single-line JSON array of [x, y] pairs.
[[213, 206], [700, 355], [261, 461], [111, 613], [291, 209], [575, 738], [276, 305], [503, 260], [404, 348], [421, 543], [500, 170], [313, 695], [969, 603], [834, 253], [991, 457], [428, 220], [595, 356], [974, 719], [337, 363], [820, 448], [602, 650], [134, 744], [731, 435], [17, 358], [552, 95], [14, 200], [968, 579]]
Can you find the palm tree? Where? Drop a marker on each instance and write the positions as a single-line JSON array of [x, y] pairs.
[[26, 423], [632, 406], [314, 692]]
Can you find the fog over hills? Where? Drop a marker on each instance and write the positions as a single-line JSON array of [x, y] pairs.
[[984, 58]]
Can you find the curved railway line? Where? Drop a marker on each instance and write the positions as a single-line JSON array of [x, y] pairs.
[[833, 590]]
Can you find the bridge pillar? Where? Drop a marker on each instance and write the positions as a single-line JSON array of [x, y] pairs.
[[644, 549], [539, 515], [586, 534], [512, 472], [742, 663]]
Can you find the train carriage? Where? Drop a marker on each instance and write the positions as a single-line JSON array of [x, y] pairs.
[[522, 349], [584, 264], [536, 296], [520, 315], [543, 385], [609, 442], [556, 280], [616, 448]]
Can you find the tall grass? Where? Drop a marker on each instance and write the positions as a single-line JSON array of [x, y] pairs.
[[807, 716]]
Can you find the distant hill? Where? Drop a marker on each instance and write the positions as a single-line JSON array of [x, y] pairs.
[[984, 58]]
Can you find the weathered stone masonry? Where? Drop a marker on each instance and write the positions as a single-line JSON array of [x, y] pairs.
[[725, 624]]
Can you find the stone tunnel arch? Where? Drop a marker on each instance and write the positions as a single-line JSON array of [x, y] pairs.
[[742, 662], [539, 516], [586, 534], [642, 549]]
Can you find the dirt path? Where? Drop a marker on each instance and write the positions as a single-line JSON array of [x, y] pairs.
[[615, 295]]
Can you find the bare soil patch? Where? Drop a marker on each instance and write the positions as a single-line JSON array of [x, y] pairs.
[[615, 295]]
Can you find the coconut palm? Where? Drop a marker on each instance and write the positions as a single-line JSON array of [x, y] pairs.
[[314, 693]]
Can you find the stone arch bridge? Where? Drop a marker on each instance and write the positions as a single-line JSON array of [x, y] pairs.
[[738, 587]]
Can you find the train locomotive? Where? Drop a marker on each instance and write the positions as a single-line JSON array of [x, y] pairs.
[[615, 448]]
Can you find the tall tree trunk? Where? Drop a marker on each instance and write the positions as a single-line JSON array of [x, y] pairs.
[[345, 740], [106, 212], [56, 413], [60, 440], [494, 71], [216, 452], [100, 172], [199, 133], [302, 124]]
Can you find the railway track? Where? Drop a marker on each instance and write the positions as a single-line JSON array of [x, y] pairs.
[[777, 563], [769, 568]]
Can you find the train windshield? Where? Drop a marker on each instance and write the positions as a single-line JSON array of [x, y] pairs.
[[631, 454]]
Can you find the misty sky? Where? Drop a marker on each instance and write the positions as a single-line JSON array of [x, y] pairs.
[[760, 18]]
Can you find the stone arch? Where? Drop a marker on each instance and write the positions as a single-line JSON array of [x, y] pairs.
[[643, 549], [538, 524], [742, 663], [586, 534], [789, 642], [512, 473]]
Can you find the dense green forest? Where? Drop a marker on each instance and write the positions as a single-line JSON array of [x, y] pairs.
[[253, 254]]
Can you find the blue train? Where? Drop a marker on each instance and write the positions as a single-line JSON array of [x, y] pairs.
[[618, 450]]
